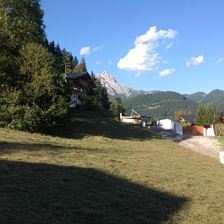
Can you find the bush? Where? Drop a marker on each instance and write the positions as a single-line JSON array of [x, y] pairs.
[[184, 123]]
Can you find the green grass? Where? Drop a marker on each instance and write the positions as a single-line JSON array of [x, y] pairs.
[[100, 171], [221, 139]]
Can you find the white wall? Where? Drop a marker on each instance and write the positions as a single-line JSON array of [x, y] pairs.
[[166, 124], [178, 128], [209, 131]]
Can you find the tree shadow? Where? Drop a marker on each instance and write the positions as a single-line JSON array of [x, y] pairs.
[[169, 134], [78, 128], [11, 147], [42, 193]]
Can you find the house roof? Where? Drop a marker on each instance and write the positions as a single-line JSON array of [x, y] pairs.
[[190, 118], [78, 75], [82, 79]]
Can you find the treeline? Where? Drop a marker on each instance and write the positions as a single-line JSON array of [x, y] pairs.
[[160, 105], [33, 87]]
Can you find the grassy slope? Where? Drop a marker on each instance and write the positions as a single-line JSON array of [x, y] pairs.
[[104, 172], [221, 139]]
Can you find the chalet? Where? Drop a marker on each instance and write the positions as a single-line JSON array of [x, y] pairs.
[[77, 83], [134, 118]]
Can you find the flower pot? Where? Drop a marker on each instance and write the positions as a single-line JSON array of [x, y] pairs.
[[221, 157]]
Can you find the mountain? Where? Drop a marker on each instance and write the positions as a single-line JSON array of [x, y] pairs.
[[197, 97], [160, 104], [114, 88], [215, 97]]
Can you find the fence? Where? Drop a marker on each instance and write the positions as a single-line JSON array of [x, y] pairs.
[[199, 130], [219, 129]]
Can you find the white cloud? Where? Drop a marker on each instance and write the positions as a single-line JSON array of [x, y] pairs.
[[98, 62], [153, 35], [85, 50], [144, 57], [220, 60], [88, 50], [167, 72], [140, 58], [195, 61], [110, 62]]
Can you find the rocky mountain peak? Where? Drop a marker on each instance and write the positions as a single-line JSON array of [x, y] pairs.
[[113, 87]]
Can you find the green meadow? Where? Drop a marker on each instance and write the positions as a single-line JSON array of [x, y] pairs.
[[97, 170]]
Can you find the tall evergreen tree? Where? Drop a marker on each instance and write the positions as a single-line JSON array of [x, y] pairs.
[[52, 47], [41, 103], [32, 88], [69, 61], [81, 67], [116, 107], [21, 22], [100, 95]]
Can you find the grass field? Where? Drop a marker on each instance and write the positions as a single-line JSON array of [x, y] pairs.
[[221, 139], [99, 171]]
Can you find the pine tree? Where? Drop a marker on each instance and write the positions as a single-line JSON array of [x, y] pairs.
[[81, 67], [68, 61], [21, 22], [116, 107], [41, 103], [100, 95]]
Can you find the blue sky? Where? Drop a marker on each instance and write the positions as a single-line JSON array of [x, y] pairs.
[[175, 45]]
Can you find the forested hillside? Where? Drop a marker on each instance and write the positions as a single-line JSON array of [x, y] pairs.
[[160, 104], [215, 97], [197, 97]]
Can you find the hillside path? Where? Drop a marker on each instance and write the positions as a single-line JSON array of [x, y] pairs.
[[208, 146]]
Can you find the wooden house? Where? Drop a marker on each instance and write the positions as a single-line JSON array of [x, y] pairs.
[[77, 83]]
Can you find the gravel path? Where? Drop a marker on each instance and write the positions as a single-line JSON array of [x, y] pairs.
[[205, 145], [208, 146]]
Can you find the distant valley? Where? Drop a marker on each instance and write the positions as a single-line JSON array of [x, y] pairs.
[[159, 104]]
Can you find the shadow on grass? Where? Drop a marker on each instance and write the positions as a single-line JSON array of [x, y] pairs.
[[80, 126], [42, 193], [169, 134], [10, 147]]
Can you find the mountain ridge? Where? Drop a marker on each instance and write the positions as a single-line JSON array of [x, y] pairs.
[[184, 102], [215, 97], [160, 105]]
